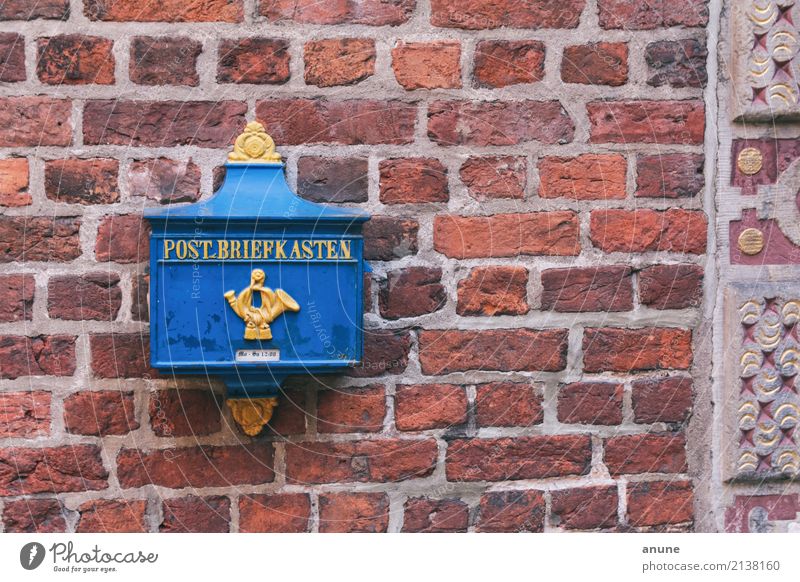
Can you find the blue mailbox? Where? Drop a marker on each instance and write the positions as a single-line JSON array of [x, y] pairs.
[[255, 284]]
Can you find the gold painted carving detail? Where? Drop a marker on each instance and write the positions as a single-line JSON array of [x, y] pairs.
[[771, 64], [751, 241], [254, 145], [252, 414], [257, 319], [750, 161]]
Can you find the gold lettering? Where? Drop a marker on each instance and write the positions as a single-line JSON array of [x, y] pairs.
[[308, 252], [236, 249], [295, 251], [180, 249], [279, 249], [222, 249], [331, 249], [246, 249], [344, 246], [169, 245], [206, 244], [193, 253], [268, 246], [319, 244], [255, 249]]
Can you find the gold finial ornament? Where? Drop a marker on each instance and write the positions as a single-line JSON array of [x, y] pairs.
[[751, 241], [257, 319], [252, 414], [254, 145], [750, 161]]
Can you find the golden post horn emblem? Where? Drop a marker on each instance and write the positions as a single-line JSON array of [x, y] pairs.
[[257, 319]]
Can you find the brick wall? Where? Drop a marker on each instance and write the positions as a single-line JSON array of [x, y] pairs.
[[535, 173]]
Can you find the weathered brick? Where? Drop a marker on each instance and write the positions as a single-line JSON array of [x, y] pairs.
[[14, 182], [590, 403], [500, 123], [25, 471], [140, 309], [24, 414], [411, 292], [427, 65], [636, 231], [203, 466], [351, 410], [387, 238], [377, 461], [176, 413], [27, 10], [339, 61], [495, 177], [633, 15], [164, 11], [508, 404], [528, 457], [291, 419], [385, 352], [43, 355], [123, 239], [164, 60], [332, 179], [75, 59], [369, 12], [276, 513], [352, 122], [254, 60], [12, 57], [671, 286], [90, 296], [35, 121], [500, 63], [646, 453], [662, 399], [585, 177], [100, 413], [353, 512], [496, 290], [39, 238], [423, 515], [669, 175], [511, 511], [505, 350], [16, 297], [661, 122], [477, 15], [577, 289], [120, 355], [34, 516], [164, 180], [507, 235], [585, 507], [112, 516], [652, 503], [82, 181], [428, 406], [193, 514], [413, 181], [677, 63], [627, 350], [597, 63]]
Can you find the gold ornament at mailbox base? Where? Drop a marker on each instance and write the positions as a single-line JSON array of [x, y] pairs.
[[252, 414]]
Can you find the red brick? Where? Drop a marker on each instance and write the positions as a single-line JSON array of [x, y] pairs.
[[379, 461], [196, 515], [254, 60], [646, 453], [485, 123], [504, 350], [526, 457], [39, 238], [276, 513], [413, 181], [112, 516], [660, 503], [351, 410], [511, 511], [290, 417], [16, 297], [585, 507], [332, 179], [585, 177], [203, 466], [495, 177], [34, 516], [423, 515], [352, 122], [44, 355], [671, 286], [74, 59], [662, 399], [500, 63], [353, 512], [577, 289], [90, 296], [12, 57], [632, 15], [477, 15], [625, 350], [427, 65], [387, 238], [493, 291], [411, 292], [72, 468], [590, 403], [164, 11], [123, 239], [508, 404], [208, 124], [82, 181], [427, 406], [385, 352], [507, 235], [35, 121], [27, 10], [661, 122], [177, 413], [669, 175], [597, 63], [164, 60], [24, 414], [636, 231], [164, 180], [101, 413], [120, 355], [369, 12], [677, 63], [339, 61], [14, 182]]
